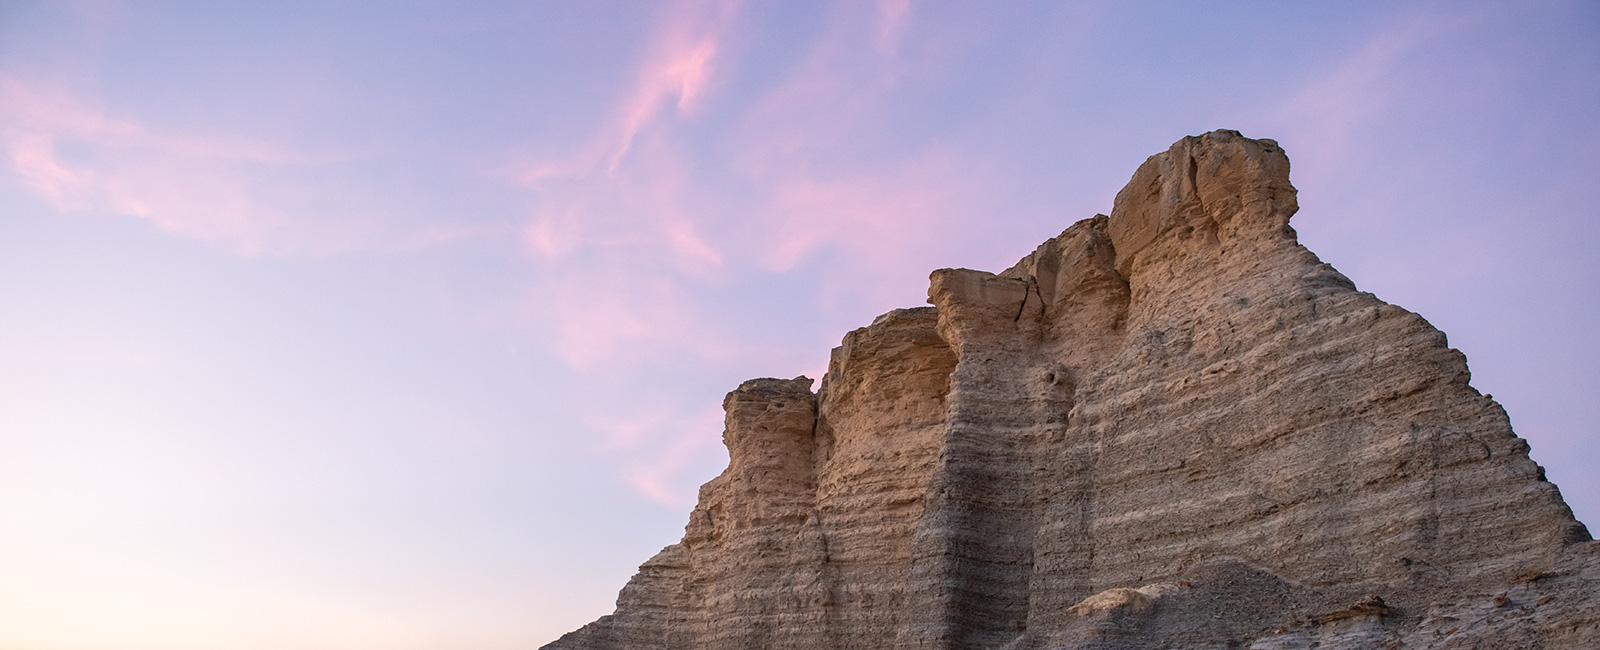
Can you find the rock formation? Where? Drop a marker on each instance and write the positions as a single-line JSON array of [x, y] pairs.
[[1173, 427]]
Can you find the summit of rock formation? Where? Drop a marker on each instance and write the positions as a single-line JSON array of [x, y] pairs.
[[1170, 427]]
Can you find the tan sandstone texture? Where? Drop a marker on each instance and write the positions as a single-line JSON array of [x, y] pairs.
[[1173, 427]]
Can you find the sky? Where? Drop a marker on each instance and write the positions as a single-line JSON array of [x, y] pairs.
[[406, 325]]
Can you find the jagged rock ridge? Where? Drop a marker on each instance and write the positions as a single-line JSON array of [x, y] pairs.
[[1173, 427]]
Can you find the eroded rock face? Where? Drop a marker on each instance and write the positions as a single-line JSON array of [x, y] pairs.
[[1173, 427]]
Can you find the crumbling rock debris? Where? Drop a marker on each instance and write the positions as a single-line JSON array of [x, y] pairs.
[[1173, 427]]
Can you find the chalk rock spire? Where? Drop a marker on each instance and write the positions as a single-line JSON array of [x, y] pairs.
[[1173, 427]]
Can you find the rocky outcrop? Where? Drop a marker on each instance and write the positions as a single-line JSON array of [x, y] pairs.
[[1173, 427]]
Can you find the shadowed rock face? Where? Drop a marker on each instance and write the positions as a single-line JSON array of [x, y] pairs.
[[1173, 427]]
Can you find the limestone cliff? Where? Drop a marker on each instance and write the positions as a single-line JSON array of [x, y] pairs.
[[1173, 427]]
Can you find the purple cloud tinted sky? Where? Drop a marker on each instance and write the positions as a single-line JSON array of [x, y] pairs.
[[407, 325]]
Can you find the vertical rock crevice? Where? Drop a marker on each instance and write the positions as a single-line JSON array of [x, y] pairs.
[[884, 406]]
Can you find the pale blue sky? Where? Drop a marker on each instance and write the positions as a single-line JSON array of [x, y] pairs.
[[406, 325]]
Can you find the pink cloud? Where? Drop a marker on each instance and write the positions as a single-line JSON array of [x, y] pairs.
[[892, 15], [600, 319], [829, 175], [180, 183], [632, 229], [662, 474], [679, 65], [609, 193], [615, 222], [617, 262], [661, 444], [675, 71], [805, 150], [33, 156], [1335, 106], [684, 239], [874, 214], [244, 194]]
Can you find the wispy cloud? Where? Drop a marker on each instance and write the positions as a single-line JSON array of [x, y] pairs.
[[663, 443], [637, 224], [79, 157], [798, 167], [669, 81], [876, 215], [833, 173], [892, 16], [676, 71], [683, 187], [1329, 112], [600, 321], [248, 195], [611, 223]]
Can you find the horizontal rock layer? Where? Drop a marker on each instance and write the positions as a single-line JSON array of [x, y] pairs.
[[1173, 427]]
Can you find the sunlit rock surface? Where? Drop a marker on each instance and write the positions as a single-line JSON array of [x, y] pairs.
[[1173, 427]]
